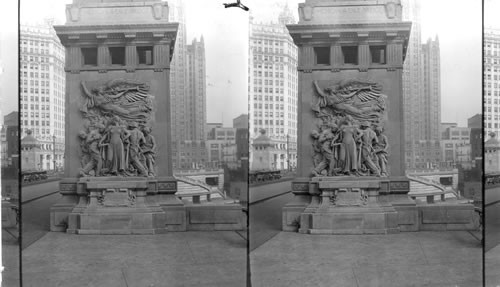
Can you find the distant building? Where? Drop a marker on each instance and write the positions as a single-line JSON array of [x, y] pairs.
[[268, 154], [273, 84], [188, 96], [491, 86], [431, 91], [221, 145], [10, 140], [196, 105], [412, 84], [42, 91], [189, 155], [31, 153], [456, 133], [242, 144], [492, 155], [421, 94], [241, 122], [427, 154], [455, 144], [475, 123]]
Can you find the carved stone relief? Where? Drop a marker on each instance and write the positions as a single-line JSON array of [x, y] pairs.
[[116, 137], [349, 135]]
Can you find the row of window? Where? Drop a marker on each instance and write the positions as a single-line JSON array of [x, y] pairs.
[[117, 54], [277, 122], [268, 74], [350, 55], [269, 90], [270, 132]]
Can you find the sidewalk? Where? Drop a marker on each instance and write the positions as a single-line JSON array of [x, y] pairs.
[[10, 260], [172, 259], [451, 258], [492, 267]]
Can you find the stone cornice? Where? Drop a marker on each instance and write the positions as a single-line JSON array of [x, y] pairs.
[[119, 31], [347, 32]]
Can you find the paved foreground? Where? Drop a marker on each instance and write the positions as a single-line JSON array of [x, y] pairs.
[[172, 259], [492, 267], [451, 258], [10, 260]]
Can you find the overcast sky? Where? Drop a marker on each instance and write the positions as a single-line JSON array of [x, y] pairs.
[[458, 24]]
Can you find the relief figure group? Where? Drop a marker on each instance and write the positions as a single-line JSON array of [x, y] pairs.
[[350, 138]]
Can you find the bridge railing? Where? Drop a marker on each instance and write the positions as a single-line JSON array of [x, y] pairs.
[[430, 196], [196, 197], [492, 180]]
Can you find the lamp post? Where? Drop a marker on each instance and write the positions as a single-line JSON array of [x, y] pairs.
[[54, 151]]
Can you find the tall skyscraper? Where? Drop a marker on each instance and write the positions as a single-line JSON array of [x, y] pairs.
[[431, 92], [273, 87], [421, 94], [188, 95], [412, 83], [491, 82], [178, 79], [196, 92], [42, 91]]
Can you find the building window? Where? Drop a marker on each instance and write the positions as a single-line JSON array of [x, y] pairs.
[[350, 54], [117, 55], [322, 55], [145, 55], [378, 54], [89, 56]]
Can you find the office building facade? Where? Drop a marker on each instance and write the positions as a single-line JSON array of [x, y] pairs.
[[273, 85], [42, 91]]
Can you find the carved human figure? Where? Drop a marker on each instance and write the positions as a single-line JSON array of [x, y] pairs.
[[316, 145], [113, 139], [327, 138], [368, 138], [380, 149], [136, 138], [360, 100], [84, 148], [93, 140], [348, 151], [149, 150]]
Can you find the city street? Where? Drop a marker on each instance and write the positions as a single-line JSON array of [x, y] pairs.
[[36, 202], [265, 215]]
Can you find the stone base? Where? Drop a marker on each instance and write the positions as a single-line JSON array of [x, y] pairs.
[[117, 221], [135, 206], [212, 217], [368, 205], [443, 217], [372, 219]]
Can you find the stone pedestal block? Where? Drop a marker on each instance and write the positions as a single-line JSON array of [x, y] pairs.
[[117, 220], [446, 216], [221, 216], [70, 198], [347, 205], [174, 218], [352, 220], [292, 211]]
